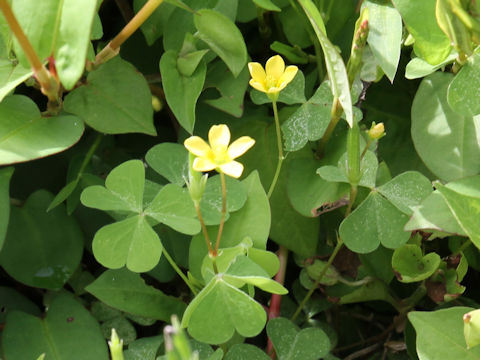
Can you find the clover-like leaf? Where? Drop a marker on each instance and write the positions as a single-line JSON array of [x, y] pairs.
[[373, 222], [169, 160], [174, 207], [123, 189], [130, 242], [410, 264], [291, 343], [219, 310]]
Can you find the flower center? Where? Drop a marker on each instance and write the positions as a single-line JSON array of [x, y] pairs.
[[270, 81]]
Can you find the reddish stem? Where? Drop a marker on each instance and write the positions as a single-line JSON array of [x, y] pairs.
[[276, 300]]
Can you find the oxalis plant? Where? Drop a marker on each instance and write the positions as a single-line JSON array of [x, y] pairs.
[[171, 189]]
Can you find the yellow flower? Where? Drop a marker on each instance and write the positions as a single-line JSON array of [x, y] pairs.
[[274, 78], [218, 155]]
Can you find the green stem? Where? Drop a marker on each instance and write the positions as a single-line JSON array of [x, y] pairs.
[[351, 201], [336, 113], [204, 229], [369, 142], [89, 155], [224, 212], [178, 271], [280, 150], [263, 27], [317, 281], [113, 47]]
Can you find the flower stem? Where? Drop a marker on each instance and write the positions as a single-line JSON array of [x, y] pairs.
[[89, 155], [280, 150], [204, 228], [178, 271], [224, 212], [48, 83], [353, 196], [320, 277], [113, 47]]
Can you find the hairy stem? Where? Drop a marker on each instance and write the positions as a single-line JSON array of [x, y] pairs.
[[280, 150]]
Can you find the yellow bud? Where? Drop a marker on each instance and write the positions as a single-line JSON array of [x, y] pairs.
[[377, 131], [156, 103]]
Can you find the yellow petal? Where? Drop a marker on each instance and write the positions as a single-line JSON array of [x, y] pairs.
[[202, 164], [197, 146], [275, 67], [240, 146], [219, 137], [232, 168], [287, 76], [257, 85], [257, 72]]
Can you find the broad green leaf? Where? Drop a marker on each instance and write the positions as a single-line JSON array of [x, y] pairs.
[[211, 204], [437, 131], [173, 207], [418, 68], [72, 39], [68, 332], [40, 30], [291, 343], [307, 191], [245, 351], [131, 242], [224, 259], [123, 189], [434, 214], [294, 93], [296, 29], [309, 121], [5, 175], [410, 265], [430, 42], [25, 135], [169, 160], [223, 37], [267, 260], [181, 92], [440, 334], [378, 263], [407, 190], [384, 35], [11, 300], [221, 309], [267, 5], [109, 105], [463, 91], [335, 66], [188, 63], [41, 249], [373, 222], [124, 328], [466, 210], [127, 291], [11, 75], [232, 89]]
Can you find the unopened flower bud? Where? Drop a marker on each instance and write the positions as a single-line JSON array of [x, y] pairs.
[[377, 131], [116, 346], [196, 182]]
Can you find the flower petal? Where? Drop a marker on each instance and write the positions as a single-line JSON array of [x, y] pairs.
[[257, 85], [232, 168], [219, 137], [240, 146], [202, 164], [275, 67], [197, 146], [257, 72], [287, 76]]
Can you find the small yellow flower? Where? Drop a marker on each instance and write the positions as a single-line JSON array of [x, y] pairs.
[[377, 131], [218, 155], [274, 78]]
